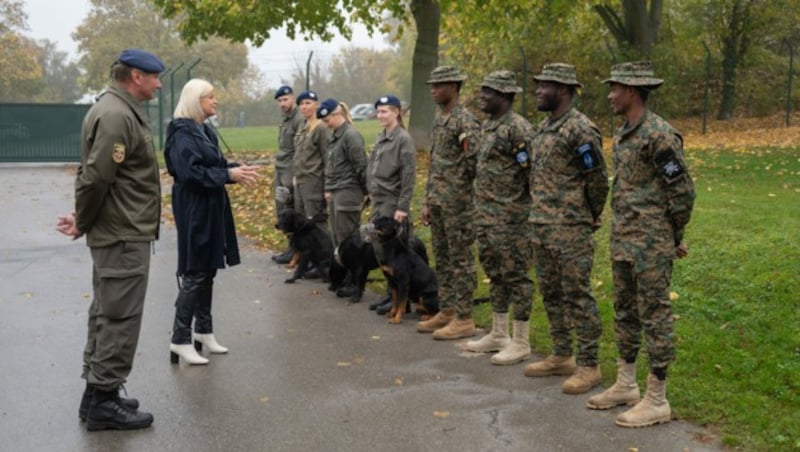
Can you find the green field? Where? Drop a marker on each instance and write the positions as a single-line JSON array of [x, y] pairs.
[[738, 293], [263, 138]]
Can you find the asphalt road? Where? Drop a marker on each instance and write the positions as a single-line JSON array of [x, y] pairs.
[[306, 371]]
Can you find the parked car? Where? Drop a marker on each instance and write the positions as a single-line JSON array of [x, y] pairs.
[[361, 112]]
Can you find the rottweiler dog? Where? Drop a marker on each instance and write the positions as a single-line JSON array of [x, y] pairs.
[[410, 278], [356, 255], [310, 240]]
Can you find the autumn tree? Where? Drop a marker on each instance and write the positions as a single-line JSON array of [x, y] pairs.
[[242, 20], [60, 77], [20, 72], [636, 27]]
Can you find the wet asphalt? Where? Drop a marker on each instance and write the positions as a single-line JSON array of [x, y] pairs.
[[306, 371]]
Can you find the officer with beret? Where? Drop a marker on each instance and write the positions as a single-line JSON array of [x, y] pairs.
[[448, 206], [502, 206], [308, 165], [290, 125], [345, 170], [117, 207], [569, 187], [392, 165], [651, 203]]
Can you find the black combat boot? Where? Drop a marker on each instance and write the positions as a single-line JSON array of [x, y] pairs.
[[107, 412], [86, 400]]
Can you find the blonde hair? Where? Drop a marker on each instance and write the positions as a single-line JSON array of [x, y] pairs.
[[399, 115], [345, 110], [189, 102]]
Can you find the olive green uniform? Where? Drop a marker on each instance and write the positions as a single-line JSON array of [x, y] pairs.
[[117, 206], [345, 180], [308, 168], [391, 171], [291, 124]]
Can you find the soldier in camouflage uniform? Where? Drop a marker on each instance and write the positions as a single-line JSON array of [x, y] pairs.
[[291, 124], [651, 201], [569, 186], [502, 206], [448, 206]]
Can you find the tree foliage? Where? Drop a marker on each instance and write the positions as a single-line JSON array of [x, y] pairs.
[[20, 72], [60, 77], [636, 29]]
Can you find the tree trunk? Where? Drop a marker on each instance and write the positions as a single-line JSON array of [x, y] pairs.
[[735, 44], [638, 27], [426, 55]]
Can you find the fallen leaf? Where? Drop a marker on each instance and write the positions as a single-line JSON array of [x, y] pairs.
[[376, 338], [398, 381], [344, 363], [264, 399], [673, 296], [718, 367], [359, 360], [86, 295], [441, 414], [27, 294]]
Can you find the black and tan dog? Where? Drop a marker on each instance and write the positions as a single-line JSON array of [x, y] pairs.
[[409, 276], [356, 255], [310, 240]]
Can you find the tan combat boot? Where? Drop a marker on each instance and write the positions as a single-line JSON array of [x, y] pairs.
[[519, 349], [652, 409], [496, 340], [624, 392], [441, 319], [456, 329], [584, 379], [552, 365]]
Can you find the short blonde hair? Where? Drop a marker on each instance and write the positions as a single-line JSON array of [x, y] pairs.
[[189, 102]]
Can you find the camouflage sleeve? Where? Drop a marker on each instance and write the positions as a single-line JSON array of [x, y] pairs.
[[671, 167], [596, 177], [109, 136], [408, 156], [472, 134], [426, 201]]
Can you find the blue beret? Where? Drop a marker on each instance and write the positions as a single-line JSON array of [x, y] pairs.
[[326, 107], [142, 60], [283, 90], [388, 100], [307, 95]]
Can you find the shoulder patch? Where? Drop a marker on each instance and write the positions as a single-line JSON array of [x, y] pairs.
[[522, 156], [588, 156], [669, 166], [118, 153]]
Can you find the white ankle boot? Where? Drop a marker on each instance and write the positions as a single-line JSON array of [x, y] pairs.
[[210, 342], [187, 352], [519, 349]]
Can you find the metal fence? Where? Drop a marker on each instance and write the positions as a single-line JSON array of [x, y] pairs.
[[41, 132]]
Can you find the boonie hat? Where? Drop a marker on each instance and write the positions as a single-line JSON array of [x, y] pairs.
[[307, 95], [326, 108], [283, 90], [142, 60], [446, 74], [502, 81], [560, 73], [388, 100], [636, 73]]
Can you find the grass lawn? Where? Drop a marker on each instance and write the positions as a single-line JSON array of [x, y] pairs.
[[737, 295]]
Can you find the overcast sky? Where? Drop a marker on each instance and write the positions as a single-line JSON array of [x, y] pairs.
[[57, 19]]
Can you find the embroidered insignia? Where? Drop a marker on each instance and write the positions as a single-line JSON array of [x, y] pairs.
[[118, 153], [669, 166], [522, 156], [585, 152]]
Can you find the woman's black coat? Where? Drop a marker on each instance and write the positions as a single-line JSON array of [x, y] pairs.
[[203, 217]]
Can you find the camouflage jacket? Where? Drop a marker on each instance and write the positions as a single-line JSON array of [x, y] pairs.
[[501, 181], [568, 179], [454, 150], [653, 194], [290, 126], [310, 150]]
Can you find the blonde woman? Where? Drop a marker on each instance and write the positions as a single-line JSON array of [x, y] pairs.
[[345, 170], [203, 217], [308, 166]]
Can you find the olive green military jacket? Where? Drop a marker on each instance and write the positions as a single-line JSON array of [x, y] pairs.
[[290, 126], [454, 150], [391, 168], [117, 190], [310, 150], [568, 178], [652, 196], [346, 163], [501, 182]]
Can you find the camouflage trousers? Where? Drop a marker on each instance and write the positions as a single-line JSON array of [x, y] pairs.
[[506, 255], [563, 255], [642, 305], [452, 239]]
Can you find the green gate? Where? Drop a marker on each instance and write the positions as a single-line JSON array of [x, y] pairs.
[[41, 132]]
